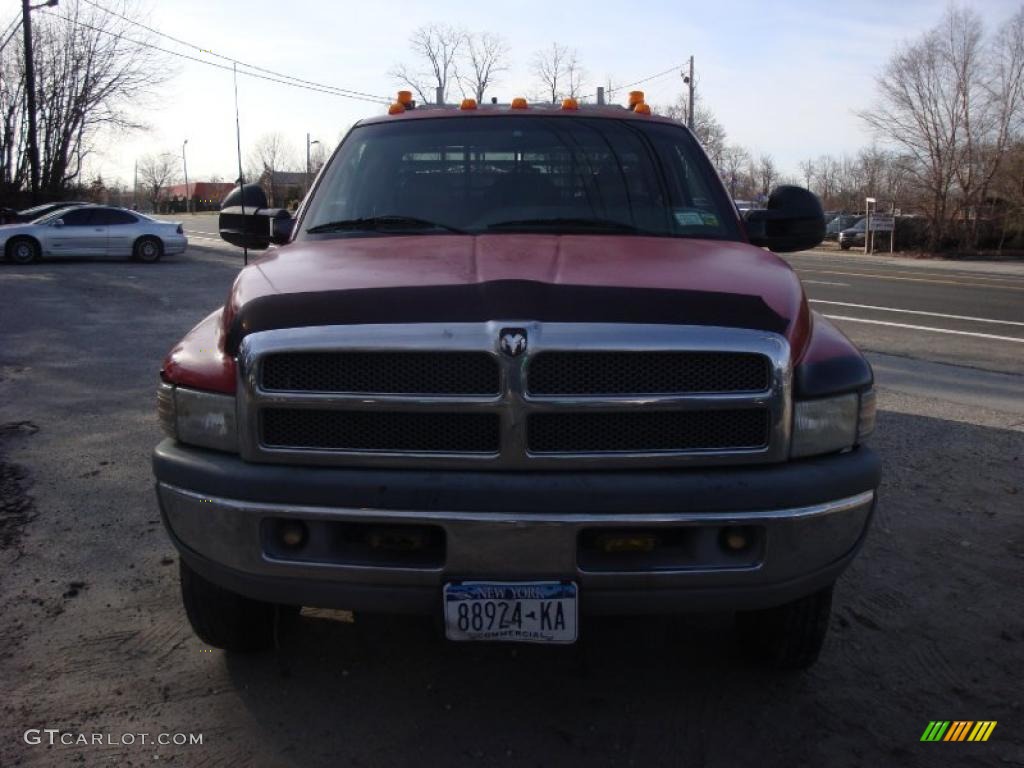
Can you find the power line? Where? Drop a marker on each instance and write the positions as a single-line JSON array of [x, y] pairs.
[[13, 28], [651, 77], [142, 44], [179, 41], [647, 79]]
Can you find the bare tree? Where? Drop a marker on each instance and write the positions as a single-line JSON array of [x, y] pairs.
[[734, 159], [271, 155], [997, 121], [436, 48], [156, 173], [706, 128], [807, 172], [575, 76], [484, 56], [92, 78], [550, 68], [766, 174], [950, 103]]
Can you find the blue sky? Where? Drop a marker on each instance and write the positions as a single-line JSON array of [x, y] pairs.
[[784, 77]]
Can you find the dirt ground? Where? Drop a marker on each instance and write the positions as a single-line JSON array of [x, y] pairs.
[[928, 622]]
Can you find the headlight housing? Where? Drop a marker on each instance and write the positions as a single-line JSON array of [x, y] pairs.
[[832, 424], [205, 419]]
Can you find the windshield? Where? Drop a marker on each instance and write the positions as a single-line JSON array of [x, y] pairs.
[[520, 174]]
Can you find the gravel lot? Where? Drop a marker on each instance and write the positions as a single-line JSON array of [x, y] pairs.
[[928, 622]]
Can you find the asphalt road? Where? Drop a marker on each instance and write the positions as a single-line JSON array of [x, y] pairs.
[[927, 622]]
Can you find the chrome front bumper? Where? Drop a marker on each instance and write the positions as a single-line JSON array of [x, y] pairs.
[[799, 550]]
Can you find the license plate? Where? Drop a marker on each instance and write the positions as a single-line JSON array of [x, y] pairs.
[[523, 612]]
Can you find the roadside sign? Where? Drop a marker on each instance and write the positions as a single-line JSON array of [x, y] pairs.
[[883, 222]]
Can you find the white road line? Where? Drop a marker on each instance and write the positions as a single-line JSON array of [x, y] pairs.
[[825, 282], [925, 328], [965, 281], [916, 312]]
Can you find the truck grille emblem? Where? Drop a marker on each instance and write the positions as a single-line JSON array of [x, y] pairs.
[[512, 341]]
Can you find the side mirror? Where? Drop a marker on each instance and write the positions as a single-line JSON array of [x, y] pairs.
[[793, 221], [246, 221], [58, 223]]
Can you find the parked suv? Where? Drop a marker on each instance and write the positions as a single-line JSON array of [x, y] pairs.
[[853, 236], [838, 224], [513, 366]]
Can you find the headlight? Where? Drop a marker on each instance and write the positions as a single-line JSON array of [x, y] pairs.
[[198, 418], [832, 423]]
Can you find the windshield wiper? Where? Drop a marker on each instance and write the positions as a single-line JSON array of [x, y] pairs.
[[381, 224], [567, 222]]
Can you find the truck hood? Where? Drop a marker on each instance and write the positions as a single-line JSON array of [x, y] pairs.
[[566, 278]]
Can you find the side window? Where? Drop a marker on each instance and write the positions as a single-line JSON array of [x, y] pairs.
[[80, 217], [112, 217]]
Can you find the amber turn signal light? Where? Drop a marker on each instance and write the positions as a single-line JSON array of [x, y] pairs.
[[627, 542]]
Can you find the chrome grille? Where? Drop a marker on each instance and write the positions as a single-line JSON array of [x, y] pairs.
[[745, 428], [580, 395], [647, 373], [389, 431], [399, 373]]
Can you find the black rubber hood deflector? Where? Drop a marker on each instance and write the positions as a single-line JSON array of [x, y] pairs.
[[503, 300]]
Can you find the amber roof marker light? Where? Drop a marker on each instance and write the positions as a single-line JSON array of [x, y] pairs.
[[635, 97], [570, 104], [519, 103], [468, 104], [642, 108]]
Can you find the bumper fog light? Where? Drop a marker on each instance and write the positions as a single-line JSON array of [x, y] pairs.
[[292, 533], [736, 539]]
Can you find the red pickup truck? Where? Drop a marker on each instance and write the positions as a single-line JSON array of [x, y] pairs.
[[513, 366]]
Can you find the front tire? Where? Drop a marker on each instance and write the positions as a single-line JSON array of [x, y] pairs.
[[148, 250], [788, 636], [224, 619], [23, 250]]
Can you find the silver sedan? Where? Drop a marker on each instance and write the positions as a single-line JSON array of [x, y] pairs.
[[92, 230]]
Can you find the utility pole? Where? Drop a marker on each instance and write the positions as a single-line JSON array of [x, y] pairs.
[[135, 188], [308, 145], [30, 88], [689, 109], [184, 163]]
